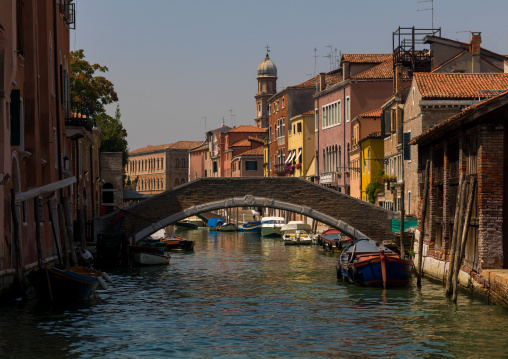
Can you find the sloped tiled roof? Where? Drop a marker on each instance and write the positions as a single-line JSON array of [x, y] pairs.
[[247, 128], [180, 145], [366, 58], [499, 100], [330, 80], [242, 143], [458, 85], [200, 148], [371, 114], [256, 139], [255, 152], [382, 71]]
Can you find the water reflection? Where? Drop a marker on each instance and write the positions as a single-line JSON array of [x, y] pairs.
[[245, 296]]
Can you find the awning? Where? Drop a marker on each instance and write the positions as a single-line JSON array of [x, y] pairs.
[[299, 154], [289, 158]]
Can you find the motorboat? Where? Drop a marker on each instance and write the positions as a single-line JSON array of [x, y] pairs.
[[149, 256], [251, 227], [368, 263], [295, 225], [297, 237], [271, 226], [176, 243]]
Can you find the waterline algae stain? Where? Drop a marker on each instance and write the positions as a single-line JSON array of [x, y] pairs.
[[242, 296]]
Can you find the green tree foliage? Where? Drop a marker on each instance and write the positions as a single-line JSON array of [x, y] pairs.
[[375, 186], [113, 135], [94, 92]]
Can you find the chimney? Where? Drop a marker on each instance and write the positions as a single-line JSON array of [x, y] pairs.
[[345, 70], [322, 81], [474, 47], [397, 80]]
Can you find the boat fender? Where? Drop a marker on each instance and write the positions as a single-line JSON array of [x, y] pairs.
[[330, 246], [102, 283], [351, 273], [107, 277]]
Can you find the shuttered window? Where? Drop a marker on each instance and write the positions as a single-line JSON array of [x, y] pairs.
[[16, 113], [407, 148]]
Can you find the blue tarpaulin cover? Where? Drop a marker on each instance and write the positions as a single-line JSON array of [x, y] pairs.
[[212, 222]]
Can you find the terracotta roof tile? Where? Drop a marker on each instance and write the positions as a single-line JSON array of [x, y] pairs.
[[371, 114], [180, 145], [242, 143], [458, 85], [330, 80], [247, 128], [382, 71], [255, 152], [366, 58], [256, 139]]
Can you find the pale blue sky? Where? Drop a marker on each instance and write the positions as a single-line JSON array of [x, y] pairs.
[[175, 62]]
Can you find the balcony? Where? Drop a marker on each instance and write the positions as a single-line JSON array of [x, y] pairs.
[[79, 117], [327, 178], [68, 12], [280, 169]]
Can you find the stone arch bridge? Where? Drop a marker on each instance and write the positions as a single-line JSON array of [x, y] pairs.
[[350, 215]]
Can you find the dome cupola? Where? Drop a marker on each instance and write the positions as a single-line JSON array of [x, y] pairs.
[[267, 68]]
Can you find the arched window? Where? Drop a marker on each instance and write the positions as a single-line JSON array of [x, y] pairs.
[[177, 182], [339, 164], [177, 163], [183, 180]]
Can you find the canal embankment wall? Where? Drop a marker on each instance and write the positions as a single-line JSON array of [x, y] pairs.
[[491, 284]]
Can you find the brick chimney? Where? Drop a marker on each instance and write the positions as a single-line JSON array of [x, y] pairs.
[[345, 70], [474, 47], [397, 80], [322, 81]]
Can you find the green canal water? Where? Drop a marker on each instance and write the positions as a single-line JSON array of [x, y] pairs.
[[242, 296]]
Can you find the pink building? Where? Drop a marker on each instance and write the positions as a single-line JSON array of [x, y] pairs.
[[239, 140], [197, 157], [367, 83]]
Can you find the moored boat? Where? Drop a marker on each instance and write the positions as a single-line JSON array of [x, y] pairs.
[[271, 226], [366, 262], [149, 256], [251, 227], [333, 240], [71, 285], [297, 237], [178, 243], [294, 226], [213, 222], [227, 227]]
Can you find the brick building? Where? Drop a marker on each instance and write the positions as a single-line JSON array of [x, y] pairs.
[[156, 169], [237, 141], [473, 143]]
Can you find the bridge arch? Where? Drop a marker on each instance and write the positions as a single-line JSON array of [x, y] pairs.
[[350, 215]]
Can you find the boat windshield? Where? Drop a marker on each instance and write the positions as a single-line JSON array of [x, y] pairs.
[[274, 221]]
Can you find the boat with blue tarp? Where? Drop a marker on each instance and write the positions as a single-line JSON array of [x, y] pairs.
[[213, 222]]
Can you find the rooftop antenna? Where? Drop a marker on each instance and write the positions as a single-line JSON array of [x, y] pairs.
[[232, 116], [330, 56], [429, 9], [315, 58]]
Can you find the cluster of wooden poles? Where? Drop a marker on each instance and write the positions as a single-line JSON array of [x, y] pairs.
[[459, 234]]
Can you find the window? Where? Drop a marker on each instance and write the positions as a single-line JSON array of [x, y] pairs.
[[408, 202], [331, 114], [283, 102], [406, 148], [259, 109], [316, 120], [413, 96], [215, 166], [251, 165], [16, 118], [299, 127], [348, 110]]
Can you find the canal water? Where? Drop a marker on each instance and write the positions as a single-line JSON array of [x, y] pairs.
[[242, 296]]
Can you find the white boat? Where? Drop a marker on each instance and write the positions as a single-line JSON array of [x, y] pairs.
[[298, 237], [151, 259], [270, 226], [294, 226]]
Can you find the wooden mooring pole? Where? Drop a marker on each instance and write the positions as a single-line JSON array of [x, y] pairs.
[[422, 224]]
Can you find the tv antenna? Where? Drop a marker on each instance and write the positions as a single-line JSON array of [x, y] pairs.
[[233, 117], [315, 59], [429, 9]]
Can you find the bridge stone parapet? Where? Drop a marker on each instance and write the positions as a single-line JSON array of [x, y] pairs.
[[350, 215]]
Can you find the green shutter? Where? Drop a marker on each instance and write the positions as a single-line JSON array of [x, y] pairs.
[[407, 149], [15, 118]]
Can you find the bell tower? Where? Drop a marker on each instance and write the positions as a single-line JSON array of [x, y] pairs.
[[267, 87]]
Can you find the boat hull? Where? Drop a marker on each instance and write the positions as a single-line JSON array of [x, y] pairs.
[[369, 272], [251, 227], [53, 284], [227, 228], [270, 231], [150, 259]]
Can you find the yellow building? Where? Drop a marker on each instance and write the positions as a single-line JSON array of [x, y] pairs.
[[371, 160], [301, 146]]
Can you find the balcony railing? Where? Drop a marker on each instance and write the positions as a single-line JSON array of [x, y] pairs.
[[68, 11], [327, 177], [79, 116], [280, 169]]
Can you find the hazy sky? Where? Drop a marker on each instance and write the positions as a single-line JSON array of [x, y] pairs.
[[175, 62]]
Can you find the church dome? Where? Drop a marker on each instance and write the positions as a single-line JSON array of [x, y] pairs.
[[267, 68]]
